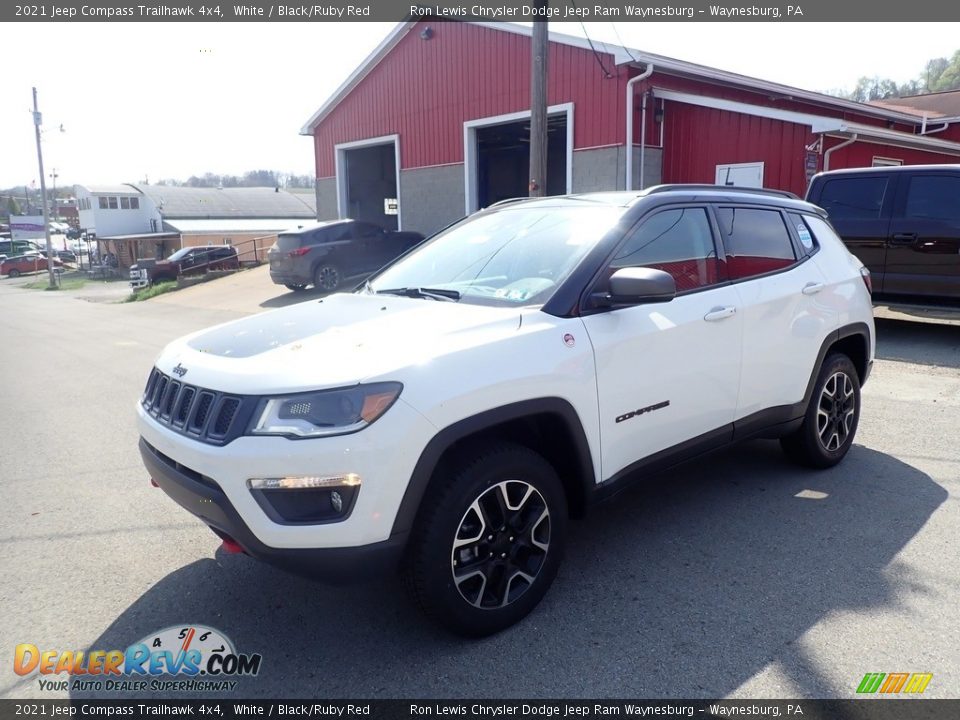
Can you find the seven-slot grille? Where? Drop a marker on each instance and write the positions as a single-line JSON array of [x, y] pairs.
[[206, 415]]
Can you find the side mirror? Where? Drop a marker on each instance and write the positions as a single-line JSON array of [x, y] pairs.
[[637, 285]]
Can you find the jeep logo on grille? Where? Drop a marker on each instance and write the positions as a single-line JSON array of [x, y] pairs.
[[179, 370]]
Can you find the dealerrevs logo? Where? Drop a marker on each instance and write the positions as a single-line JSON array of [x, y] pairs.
[[181, 650]]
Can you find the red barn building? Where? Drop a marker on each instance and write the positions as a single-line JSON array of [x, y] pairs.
[[435, 124]]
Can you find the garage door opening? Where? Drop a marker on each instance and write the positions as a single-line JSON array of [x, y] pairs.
[[498, 157], [367, 181]]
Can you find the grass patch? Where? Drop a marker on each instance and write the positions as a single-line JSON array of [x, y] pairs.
[[152, 291], [74, 284]]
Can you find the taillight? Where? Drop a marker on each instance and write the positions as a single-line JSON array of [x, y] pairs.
[[865, 274], [298, 252]]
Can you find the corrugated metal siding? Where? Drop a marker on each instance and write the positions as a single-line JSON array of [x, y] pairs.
[[697, 139], [425, 90], [861, 154]]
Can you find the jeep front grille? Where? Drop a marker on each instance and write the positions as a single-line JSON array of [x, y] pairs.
[[206, 415]]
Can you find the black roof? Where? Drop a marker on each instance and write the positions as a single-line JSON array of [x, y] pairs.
[[671, 193], [891, 169]]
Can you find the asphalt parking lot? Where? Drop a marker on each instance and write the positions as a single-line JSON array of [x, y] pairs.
[[736, 576]]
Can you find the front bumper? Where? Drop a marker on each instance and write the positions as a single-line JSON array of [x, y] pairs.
[[205, 499], [210, 481]]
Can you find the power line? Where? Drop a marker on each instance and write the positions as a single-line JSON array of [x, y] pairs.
[[606, 73]]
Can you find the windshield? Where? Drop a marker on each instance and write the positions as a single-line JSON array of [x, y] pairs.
[[515, 256], [179, 254]]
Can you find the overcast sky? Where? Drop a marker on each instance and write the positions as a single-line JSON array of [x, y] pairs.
[[152, 100]]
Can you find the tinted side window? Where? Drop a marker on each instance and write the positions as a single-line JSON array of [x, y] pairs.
[[366, 230], [859, 198], [676, 241], [935, 196], [755, 241]]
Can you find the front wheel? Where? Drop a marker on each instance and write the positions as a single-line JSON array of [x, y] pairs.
[[831, 419], [489, 542]]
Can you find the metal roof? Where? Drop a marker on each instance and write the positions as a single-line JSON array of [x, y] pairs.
[[243, 202], [938, 106], [118, 189], [622, 55], [226, 225]]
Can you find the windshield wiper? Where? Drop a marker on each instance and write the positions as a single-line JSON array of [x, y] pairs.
[[421, 292]]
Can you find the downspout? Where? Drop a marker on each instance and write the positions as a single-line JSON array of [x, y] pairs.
[[628, 184], [829, 151], [643, 133]]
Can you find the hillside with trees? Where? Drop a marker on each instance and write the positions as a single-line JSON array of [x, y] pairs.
[[939, 75]]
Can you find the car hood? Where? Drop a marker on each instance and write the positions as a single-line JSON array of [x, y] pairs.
[[339, 340]]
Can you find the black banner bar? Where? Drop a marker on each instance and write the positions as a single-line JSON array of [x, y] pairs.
[[501, 10], [232, 709]]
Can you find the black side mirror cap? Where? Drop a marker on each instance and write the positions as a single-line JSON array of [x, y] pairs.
[[636, 286]]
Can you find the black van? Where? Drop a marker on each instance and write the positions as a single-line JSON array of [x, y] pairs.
[[902, 222]]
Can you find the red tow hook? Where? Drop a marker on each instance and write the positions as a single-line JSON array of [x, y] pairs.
[[231, 546], [154, 483]]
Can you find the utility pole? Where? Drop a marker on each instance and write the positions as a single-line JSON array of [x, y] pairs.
[[37, 122], [538, 105]]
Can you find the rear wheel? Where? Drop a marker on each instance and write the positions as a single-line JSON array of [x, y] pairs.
[[13, 273], [831, 419], [489, 542], [327, 277]]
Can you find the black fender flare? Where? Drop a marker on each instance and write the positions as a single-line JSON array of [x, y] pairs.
[[475, 424]]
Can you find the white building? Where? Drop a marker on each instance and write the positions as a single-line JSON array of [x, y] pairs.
[[111, 210]]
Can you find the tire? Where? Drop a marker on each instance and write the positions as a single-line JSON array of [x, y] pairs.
[[831, 419], [488, 541], [13, 273], [327, 277], [295, 288]]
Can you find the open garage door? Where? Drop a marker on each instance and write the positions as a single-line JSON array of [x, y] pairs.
[[497, 156], [368, 181]]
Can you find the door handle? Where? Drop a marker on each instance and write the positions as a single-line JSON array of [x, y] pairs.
[[812, 288], [903, 238], [719, 313]]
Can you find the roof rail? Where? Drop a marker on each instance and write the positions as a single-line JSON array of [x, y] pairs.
[[735, 188], [510, 201]]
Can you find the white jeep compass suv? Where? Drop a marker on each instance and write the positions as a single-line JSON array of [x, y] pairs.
[[448, 417]]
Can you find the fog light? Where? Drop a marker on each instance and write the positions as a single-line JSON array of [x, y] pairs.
[[306, 499], [307, 482]]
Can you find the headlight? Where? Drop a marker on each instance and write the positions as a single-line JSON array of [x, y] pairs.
[[326, 412]]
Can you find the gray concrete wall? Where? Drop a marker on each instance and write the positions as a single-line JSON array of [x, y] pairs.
[[326, 199], [602, 169], [431, 198]]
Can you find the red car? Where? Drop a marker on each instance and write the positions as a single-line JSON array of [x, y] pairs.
[[20, 264]]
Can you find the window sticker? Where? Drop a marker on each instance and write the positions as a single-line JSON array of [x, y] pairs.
[[805, 237]]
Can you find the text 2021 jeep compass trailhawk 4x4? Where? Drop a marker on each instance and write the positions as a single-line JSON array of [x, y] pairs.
[[448, 417]]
